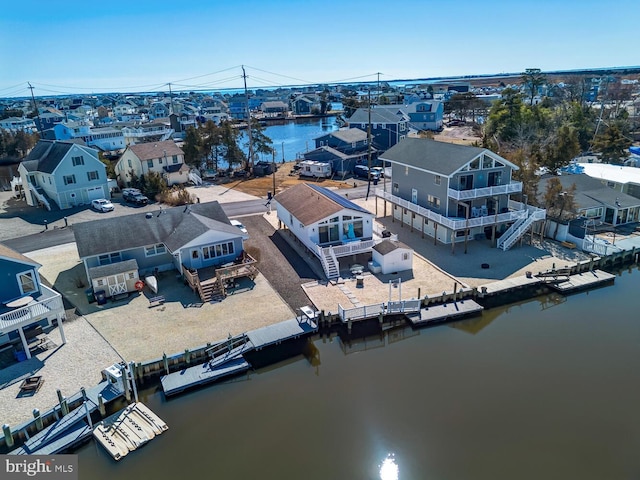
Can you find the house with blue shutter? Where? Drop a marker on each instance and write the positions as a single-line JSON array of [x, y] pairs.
[[63, 174]]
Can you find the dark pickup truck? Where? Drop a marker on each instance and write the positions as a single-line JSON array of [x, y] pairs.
[[134, 196]]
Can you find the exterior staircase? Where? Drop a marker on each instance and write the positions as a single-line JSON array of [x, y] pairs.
[[42, 197], [210, 291], [329, 262], [520, 227]]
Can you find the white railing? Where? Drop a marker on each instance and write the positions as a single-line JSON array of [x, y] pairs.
[[513, 234], [26, 315], [352, 248], [367, 311], [599, 247], [404, 306], [513, 187], [453, 224], [40, 197]]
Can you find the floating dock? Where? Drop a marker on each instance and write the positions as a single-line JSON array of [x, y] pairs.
[[227, 357], [445, 312], [583, 281], [128, 430]]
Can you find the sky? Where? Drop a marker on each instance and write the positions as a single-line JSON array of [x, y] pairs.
[[81, 47]]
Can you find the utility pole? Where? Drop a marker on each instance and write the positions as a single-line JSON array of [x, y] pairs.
[[35, 107], [369, 149], [171, 100], [246, 98]]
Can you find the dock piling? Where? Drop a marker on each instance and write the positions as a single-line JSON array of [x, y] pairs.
[[36, 415], [101, 407], [64, 406], [165, 362], [8, 436]]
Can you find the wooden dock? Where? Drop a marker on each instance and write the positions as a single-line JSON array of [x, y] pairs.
[[227, 357], [128, 430], [583, 281], [508, 284], [445, 312]]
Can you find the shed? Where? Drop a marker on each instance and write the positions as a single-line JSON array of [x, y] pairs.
[[391, 256], [115, 278]]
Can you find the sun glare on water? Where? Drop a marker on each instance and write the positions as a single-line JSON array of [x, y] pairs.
[[389, 468]]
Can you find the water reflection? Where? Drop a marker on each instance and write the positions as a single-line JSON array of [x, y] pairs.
[[389, 468]]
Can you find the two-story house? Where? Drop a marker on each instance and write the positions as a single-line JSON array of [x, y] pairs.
[[164, 158], [343, 149], [305, 104], [454, 193], [63, 173], [25, 303], [388, 127], [103, 138]]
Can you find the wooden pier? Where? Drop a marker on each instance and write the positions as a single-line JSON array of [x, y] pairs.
[[583, 281], [128, 430], [227, 357], [445, 312]]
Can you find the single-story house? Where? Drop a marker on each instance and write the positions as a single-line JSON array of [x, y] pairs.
[[328, 224], [182, 238]]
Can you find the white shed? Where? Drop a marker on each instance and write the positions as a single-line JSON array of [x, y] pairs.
[[390, 256]]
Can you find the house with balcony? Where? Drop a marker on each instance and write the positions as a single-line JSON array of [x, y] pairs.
[[329, 225], [63, 174], [388, 126], [18, 124], [343, 149], [103, 138], [454, 193], [147, 132], [164, 158], [26, 305], [197, 240]]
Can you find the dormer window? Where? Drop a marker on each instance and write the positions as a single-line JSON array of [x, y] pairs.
[[27, 282]]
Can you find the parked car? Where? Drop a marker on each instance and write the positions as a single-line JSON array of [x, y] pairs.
[[363, 171], [379, 170], [135, 196], [102, 205], [236, 223]]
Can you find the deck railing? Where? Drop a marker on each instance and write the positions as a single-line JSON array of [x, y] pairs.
[[19, 317], [513, 187]]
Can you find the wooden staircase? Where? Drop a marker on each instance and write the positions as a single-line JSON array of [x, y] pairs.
[[211, 290]]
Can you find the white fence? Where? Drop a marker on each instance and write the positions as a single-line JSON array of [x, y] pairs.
[[371, 311]]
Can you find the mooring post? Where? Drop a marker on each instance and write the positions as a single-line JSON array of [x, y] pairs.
[[36, 415], [64, 406], [165, 361], [125, 383], [381, 319], [8, 436], [187, 354], [101, 407], [455, 292]]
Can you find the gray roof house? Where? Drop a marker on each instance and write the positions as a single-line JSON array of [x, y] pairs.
[[388, 127], [183, 238], [63, 174], [455, 193]]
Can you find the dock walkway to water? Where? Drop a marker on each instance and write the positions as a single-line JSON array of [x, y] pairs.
[[227, 356], [444, 312], [583, 281]]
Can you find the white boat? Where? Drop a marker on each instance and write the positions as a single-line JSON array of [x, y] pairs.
[[152, 282]]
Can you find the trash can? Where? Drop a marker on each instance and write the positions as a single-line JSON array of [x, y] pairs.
[[101, 297], [90, 296]]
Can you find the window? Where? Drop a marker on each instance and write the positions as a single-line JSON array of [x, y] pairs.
[[160, 160], [402, 137], [77, 161], [100, 282], [437, 179], [150, 163], [433, 201], [92, 175], [109, 258], [129, 161], [132, 275], [175, 159], [414, 195], [405, 256], [487, 162], [27, 282], [69, 179], [156, 249], [218, 250], [396, 188]]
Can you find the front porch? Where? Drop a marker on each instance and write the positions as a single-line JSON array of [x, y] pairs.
[[212, 283]]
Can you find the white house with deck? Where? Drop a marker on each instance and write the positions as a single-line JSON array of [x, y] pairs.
[[328, 224]]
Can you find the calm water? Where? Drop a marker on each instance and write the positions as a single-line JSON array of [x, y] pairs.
[[542, 389], [296, 137]]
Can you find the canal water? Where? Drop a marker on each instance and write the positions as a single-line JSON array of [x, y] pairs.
[[548, 388], [296, 137]]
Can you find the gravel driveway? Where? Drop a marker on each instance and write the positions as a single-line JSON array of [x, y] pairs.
[[279, 263]]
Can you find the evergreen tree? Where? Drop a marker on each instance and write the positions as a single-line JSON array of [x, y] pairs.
[[612, 144]]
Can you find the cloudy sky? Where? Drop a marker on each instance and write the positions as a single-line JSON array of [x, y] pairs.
[[138, 45]]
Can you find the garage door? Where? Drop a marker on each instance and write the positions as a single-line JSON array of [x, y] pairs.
[[94, 193]]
